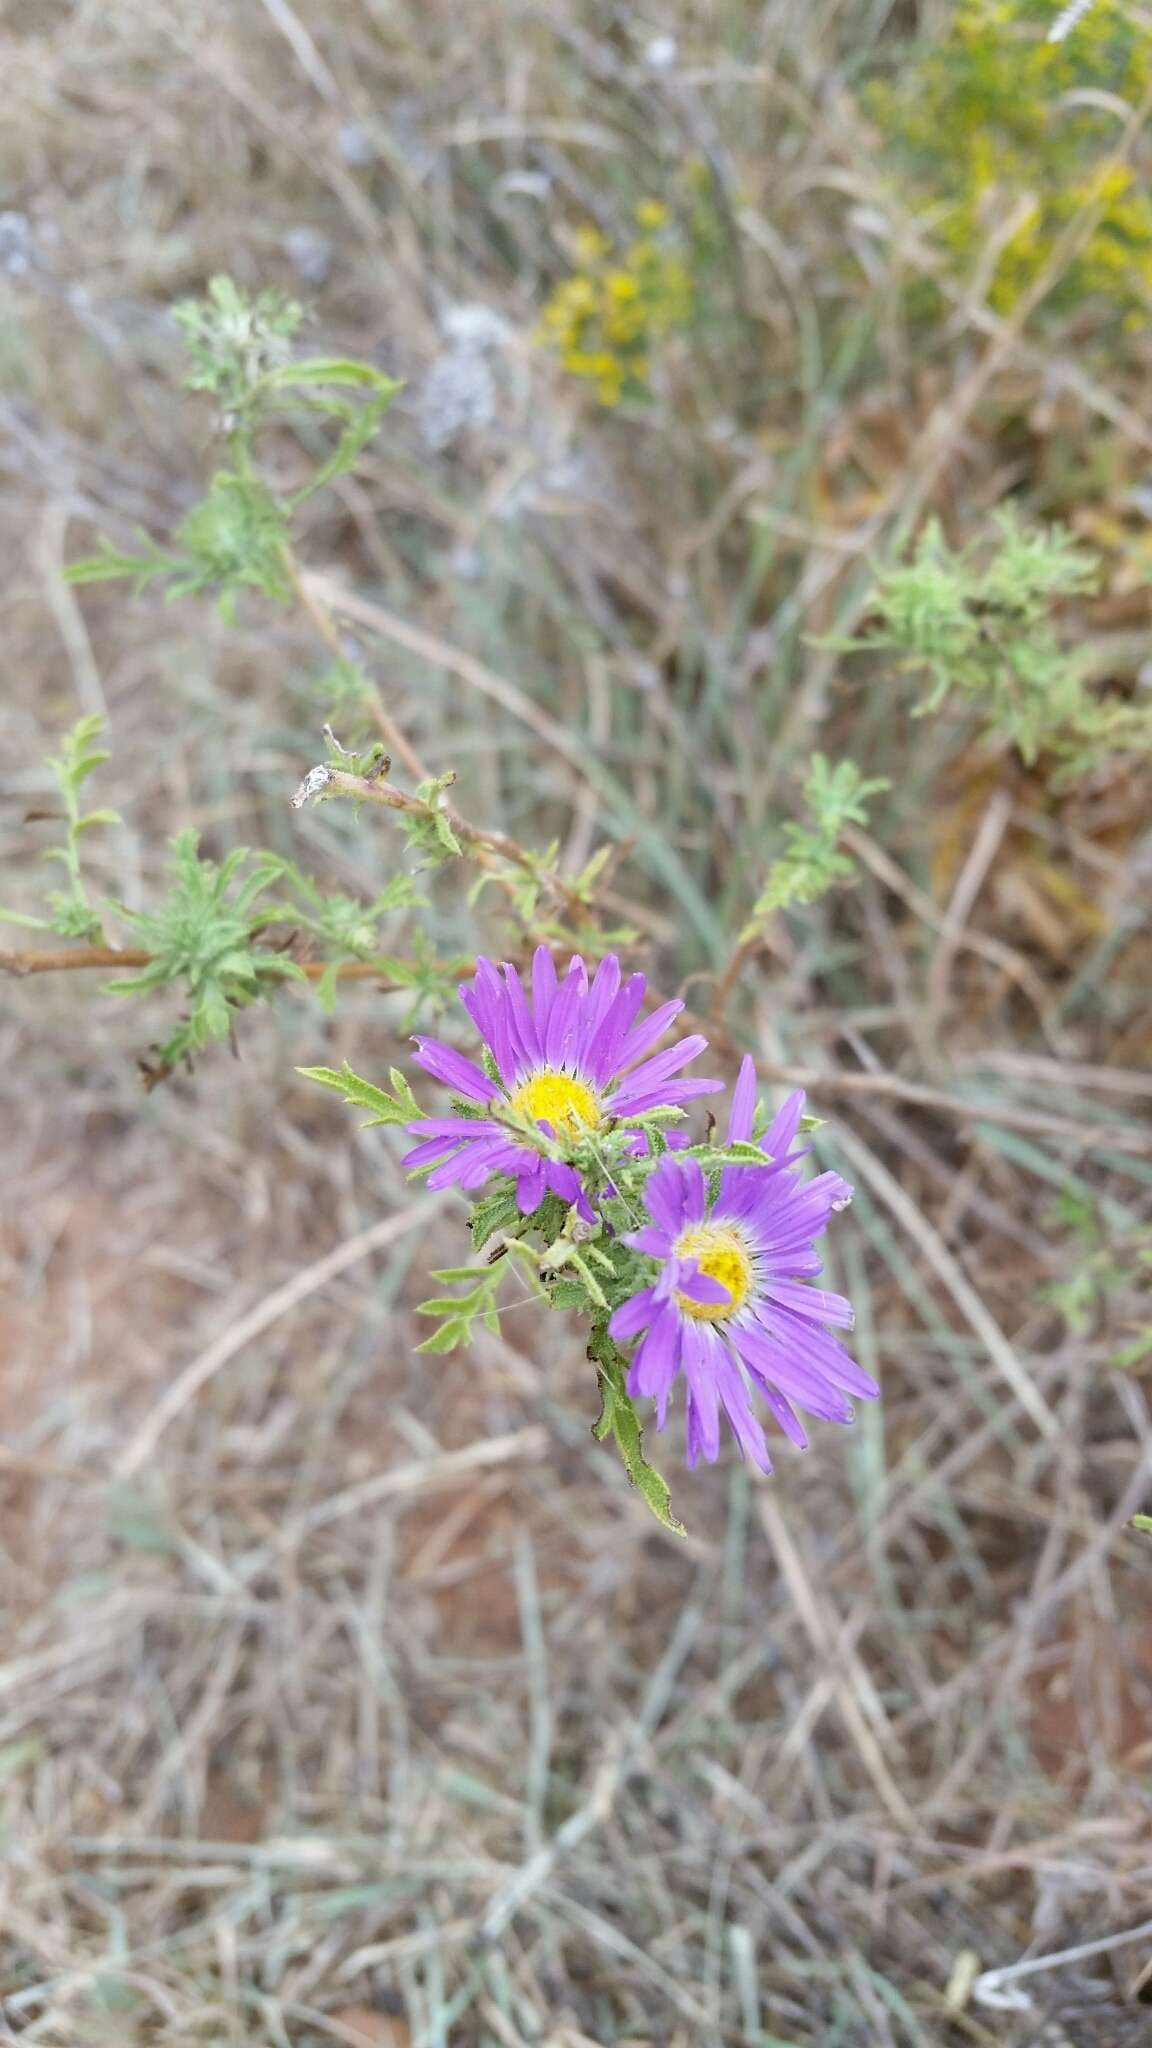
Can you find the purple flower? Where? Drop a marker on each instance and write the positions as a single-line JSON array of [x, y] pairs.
[[566, 1057], [729, 1307]]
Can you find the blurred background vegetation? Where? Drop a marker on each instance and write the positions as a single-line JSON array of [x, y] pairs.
[[767, 500]]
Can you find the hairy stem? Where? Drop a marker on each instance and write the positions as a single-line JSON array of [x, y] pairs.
[[491, 850], [65, 958], [319, 616]]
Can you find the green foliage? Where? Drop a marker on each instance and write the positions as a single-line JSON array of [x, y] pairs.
[[344, 685], [236, 342], [494, 1212], [235, 538], [1107, 1278], [981, 620], [460, 1312], [811, 863], [1008, 135], [70, 911], [383, 1108], [240, 535], [618, 1419], [205, 938], [432, 836], [605, 318], [349, 929]]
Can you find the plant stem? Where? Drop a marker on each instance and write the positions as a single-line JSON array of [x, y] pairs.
[[317, 612], [489, 850], [65, 958]]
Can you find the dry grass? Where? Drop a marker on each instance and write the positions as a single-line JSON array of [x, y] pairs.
[[349, 1697]]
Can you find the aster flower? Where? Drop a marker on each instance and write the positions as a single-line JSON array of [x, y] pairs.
[[729, 1308], [570, 1057]]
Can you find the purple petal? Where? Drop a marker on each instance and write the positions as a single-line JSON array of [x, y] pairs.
[[778, 1137], [657, 1360], [562, 1022], [743, 1103], [695, 1189], [472, 1165], [457, 1127], [662, 1066], [693, 1434], [600, 1053], [523, 1028], [562, 1180], [814, 1303], [456, 1072], [700, 1286], [602, 994], [825, 1354], [487, 1005], [737, 1404], [697, 1345], [668, 1096], [772, 1367], [543, 989], [432, 1148], [664, 1196], [785, 1414], [646, 1033], [633, 1315], [530, 1188], [656, 1243]]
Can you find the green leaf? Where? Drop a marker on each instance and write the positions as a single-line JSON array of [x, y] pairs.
[[400, 1108], [618, 1418], [496, 1211], [333, 370], [111, 565], [25, 920], [451, 1336], [1143, 1522], [105, 817]]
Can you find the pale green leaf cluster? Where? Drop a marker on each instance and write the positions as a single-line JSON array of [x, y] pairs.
[[207, 937], [240, 534], [234, 341], [812, 862], [1107, 1278], [70, 909], [431, 836], [618, 1419], [209, 934], [983, 621], [398, 1108]]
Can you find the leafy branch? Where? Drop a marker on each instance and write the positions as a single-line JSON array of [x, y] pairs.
[[618, 1419], [71, 912], [240, 534], [983, 620], [811, 862]]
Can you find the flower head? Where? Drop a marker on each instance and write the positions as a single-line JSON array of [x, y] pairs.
[[569, 1057], [729, 1308]]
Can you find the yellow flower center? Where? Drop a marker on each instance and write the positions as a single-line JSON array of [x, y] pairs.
[[561, 1100], [722, 1255]]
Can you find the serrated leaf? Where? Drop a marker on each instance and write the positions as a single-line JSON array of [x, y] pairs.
[[450, 1336], [24, 920], [105, 817], [332, 370], [385, 1108], [618, 1418]]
